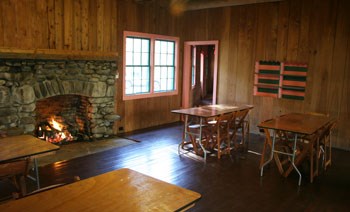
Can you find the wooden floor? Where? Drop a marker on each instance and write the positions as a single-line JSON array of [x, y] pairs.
[[228, 184]]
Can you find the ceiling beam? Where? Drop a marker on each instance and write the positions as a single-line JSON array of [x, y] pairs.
[[199, 5]]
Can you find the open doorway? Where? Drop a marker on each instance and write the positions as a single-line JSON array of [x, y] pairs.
[[200, 73]]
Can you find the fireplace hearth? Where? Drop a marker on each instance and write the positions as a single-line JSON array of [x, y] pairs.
[[78, 94]]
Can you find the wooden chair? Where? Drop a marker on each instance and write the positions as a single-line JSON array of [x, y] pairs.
[[322, 146], [220, 134], [325, 144], [16, 171], [193, 128], [239, 125]]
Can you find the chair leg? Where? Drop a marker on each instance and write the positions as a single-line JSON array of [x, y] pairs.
[[23, 186]]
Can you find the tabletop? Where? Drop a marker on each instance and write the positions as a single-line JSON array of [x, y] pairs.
[[211, 110], [14, 147], [120, 190], [297, 123]]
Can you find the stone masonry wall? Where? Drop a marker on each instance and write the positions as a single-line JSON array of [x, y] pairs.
[[24, 82]]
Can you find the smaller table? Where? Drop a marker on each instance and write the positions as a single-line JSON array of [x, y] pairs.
[[205, 112], [120, 190], [22, 146], [297, 124]]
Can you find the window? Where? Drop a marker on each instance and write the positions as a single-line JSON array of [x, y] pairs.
[[193, 71], [150, 65]]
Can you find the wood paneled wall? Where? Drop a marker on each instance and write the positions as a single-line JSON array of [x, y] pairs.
[[59, 24], [314, 32]]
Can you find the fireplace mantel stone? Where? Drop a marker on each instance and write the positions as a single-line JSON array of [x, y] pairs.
[[25, 81]]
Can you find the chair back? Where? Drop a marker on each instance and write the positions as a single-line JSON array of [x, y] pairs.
[[15, 167], [239, 118]]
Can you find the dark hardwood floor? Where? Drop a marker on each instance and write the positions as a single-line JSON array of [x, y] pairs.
[[228, 184]]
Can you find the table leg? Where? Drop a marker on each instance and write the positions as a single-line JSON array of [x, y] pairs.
[[293, 158], [36, 170], [200, 138], [184, 135]]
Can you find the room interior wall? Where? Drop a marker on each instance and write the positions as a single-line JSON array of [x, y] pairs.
[[313, 32]]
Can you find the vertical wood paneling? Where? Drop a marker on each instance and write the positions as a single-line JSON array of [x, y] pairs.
[[294, 30], [51, 24], [68, 24], [107, 26], [85, 25], [341, 80], [227, 82], [304, 48], [23, 31], [40, 24], [100, 24], [114, 24], [1, 27], [77, 25], [93, 24], [59, 24], [282, 33], [247, 27], [10, 23]]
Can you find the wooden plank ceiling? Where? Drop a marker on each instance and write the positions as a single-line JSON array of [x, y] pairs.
[[185, 5]]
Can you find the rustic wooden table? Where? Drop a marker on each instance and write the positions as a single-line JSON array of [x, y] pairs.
[[120, 190], [202, 113], [22, 146], [298, 125]]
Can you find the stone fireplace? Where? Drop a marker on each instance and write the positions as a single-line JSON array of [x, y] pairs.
[[78, 93]]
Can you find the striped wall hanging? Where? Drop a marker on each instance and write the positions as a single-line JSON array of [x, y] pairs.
[[293, 81], [280, 80], [267, 78]]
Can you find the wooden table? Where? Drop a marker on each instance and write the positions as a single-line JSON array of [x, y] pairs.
[[205, 112], [298, 125], [120, 190], [22, 146]]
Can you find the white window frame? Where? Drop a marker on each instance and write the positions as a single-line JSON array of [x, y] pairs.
[[152, 38]]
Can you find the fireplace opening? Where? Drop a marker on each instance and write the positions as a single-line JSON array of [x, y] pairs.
[[63, 119]]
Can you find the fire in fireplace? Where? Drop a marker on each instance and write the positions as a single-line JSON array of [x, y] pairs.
[[54, 132], [64, 118]]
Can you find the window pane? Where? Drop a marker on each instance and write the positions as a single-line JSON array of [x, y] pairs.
[[137, 59], [145, 45], [170, 59], [164, 46], [129, 73], [163, 84], [171, 73], [170, 85], [128, 59], [157, 46], [156, 73], [171, 47], [157, 59], [137, 45], [145, 73], [163, 59], [129, 44], [145, 58]]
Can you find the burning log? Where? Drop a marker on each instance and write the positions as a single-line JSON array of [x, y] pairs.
[[53, 132]]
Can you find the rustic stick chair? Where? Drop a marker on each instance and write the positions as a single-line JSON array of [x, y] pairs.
[[220, 134], [239, 124], [325, 144], [193, 128], [16, 171]]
